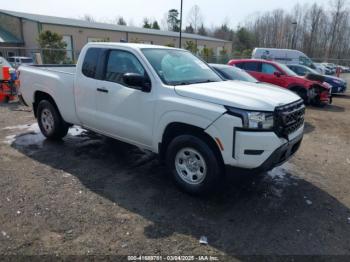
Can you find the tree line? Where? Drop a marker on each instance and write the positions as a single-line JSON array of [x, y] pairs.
[[319, 31]]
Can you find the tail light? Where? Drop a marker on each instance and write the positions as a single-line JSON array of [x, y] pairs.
[[6, 76]]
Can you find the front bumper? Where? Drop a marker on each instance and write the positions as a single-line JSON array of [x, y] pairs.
[[251, 150], [341, 89], [277, 158]]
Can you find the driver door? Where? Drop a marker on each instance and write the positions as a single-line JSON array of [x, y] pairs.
[[124, 112], [268, 75]]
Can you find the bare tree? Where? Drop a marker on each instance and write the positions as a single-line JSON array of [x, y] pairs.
[[338, 14], [321, 32], [194, 18], [121, 21], [89, 18]]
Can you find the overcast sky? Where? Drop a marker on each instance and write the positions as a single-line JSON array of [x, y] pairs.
[[214, 11]]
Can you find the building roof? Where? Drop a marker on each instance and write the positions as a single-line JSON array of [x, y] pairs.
[[8, 38], [104, 26]]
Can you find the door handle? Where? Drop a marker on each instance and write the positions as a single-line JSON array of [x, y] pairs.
[[103, 90]]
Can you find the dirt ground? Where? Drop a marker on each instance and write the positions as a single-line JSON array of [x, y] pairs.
[[92, 195]]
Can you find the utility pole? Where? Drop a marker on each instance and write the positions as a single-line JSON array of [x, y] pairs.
[[294, 34], [180, 24]]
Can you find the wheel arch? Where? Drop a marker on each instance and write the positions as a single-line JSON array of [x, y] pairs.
[[176, 129], [296, 87], [38, 97]]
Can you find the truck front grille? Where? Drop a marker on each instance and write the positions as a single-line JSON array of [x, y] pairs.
[[289, 118]]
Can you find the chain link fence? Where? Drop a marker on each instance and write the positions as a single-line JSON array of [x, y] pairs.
[[42, 55], [64, 56]]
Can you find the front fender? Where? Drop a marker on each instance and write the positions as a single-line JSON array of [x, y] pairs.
[[171, 117]]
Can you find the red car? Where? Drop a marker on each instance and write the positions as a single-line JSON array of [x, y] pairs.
[[311, 88]]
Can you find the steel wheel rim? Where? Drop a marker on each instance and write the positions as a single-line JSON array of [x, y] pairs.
[[47, 121], [190, 166]]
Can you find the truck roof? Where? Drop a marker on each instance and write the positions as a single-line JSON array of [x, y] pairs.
[[130, 45]]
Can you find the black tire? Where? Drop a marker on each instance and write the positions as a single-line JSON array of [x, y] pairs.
[[7, 100], [214, 174], [303, 94], [317, 102], [59, 128]]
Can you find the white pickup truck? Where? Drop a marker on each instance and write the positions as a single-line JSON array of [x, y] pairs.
[[170, 102]]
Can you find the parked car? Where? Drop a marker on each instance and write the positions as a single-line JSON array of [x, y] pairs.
[[233, 73], [170, 102], [16, 61], [4, 62], [345, 69], [337, 84], [283, 56], [314, 92], [8, 79], [320, 68], [330, 68]]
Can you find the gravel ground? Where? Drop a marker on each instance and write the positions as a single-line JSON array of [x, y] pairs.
[[91, 195]]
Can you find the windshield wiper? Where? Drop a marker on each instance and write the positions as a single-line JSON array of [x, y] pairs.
[[182, 84], [205, 81], [192, 83]]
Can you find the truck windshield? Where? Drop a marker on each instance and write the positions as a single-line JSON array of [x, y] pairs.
[[177, 67]]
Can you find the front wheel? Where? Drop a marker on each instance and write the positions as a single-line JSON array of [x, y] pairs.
[[193, 164], [50, 121], [305, 95]]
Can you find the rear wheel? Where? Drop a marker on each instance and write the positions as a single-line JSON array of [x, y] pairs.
[[194, 165], [50, 121]]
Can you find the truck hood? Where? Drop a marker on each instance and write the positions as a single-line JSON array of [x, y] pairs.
[[239, 94]]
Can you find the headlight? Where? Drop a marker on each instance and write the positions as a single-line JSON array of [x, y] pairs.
[[254, 119]]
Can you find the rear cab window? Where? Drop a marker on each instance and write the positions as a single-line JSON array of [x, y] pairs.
[[89, 68]]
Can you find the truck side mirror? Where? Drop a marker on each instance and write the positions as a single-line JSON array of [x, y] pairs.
[[137, 81], [277, 74]]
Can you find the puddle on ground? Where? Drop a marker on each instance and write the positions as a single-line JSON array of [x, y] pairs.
[[283, 174], [30, 135]]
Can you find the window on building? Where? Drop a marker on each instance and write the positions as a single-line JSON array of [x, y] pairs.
[[98, 39], [121, 62], [10, 53], [219, 50], [200, 48], [69, 46], [90, 62]]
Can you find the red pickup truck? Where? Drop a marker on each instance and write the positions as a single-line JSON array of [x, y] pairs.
[[311, 88]]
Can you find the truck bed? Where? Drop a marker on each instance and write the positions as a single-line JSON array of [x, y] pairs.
[[70, 69], [55, 80]]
